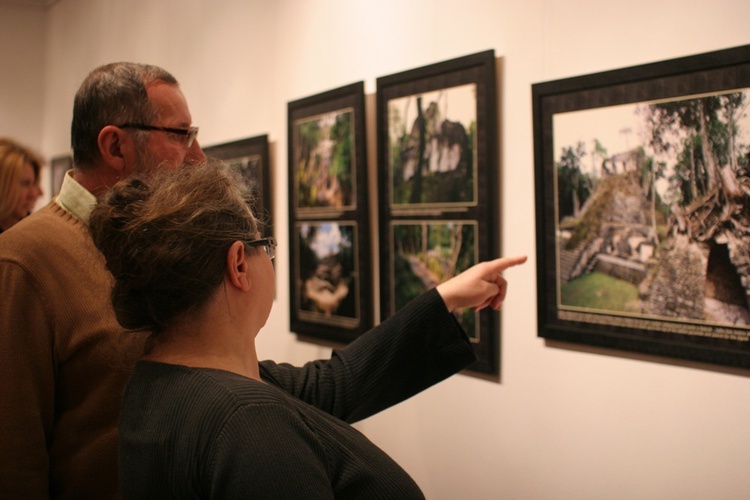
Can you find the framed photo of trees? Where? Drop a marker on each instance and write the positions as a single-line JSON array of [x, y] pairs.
[[643, 208], [438, 185], [330, 272], [249, 158]]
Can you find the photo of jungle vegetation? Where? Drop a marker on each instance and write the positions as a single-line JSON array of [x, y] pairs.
[[324, 162], [431, 147], [427, 253], [653, 209], [327, 280]]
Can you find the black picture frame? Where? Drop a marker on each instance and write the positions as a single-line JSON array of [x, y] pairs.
[[58, 166], [438, 180], [657, 220], [330, 276], [250, 158]]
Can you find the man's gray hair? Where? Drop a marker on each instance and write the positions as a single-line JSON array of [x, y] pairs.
[[113, 94]]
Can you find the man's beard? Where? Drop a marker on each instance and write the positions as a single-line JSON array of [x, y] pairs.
[[146, 161]]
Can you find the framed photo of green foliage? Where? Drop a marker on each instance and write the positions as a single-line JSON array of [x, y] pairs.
[[450, 248], [249, 158], [439, 185], [643, 208], [330, 272]]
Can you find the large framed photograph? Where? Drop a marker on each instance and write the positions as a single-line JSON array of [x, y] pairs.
[[439, 185], [330, 270], [643, 208], [249, 158]]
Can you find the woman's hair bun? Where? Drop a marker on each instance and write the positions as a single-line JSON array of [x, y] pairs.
[[165, 237]]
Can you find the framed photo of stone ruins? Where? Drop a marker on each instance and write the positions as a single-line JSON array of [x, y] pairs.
[[643, 208], [438, 185], [329, 232]]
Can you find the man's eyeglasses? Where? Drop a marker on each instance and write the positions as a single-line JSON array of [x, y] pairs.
[[190, 133], [268, 244]]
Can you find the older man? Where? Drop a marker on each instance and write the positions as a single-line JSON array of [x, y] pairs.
[[64, 360]]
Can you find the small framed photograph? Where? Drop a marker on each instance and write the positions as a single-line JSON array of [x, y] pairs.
[[330, 288], [58, 166], [250, 159], [439, 186], [643, 208], [330, 271]]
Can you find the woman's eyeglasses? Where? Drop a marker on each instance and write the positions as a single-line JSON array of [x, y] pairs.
[[268, 244]]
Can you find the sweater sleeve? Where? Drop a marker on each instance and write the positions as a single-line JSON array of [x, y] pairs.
[[27, 386], [267, 451], [414, 349]]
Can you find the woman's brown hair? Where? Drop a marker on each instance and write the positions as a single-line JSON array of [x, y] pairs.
[[165, 237]]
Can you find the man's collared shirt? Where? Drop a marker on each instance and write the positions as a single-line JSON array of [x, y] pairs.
[[75, 198]]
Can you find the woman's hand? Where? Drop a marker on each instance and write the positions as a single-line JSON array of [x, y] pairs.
[[479, 286]]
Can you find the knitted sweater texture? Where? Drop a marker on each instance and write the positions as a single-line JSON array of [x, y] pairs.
[[204, 433], [64, 362]]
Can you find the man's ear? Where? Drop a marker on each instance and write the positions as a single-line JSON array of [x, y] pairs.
[[117, 149], [237, 268]]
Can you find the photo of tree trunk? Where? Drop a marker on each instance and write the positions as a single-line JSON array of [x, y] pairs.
[[324, 161], [428, 253], [328, 286], [431, 148], [653, 209]]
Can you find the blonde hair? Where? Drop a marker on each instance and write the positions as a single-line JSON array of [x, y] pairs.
[[13, 156]]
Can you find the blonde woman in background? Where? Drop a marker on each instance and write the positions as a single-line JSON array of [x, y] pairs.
[[19, 182]]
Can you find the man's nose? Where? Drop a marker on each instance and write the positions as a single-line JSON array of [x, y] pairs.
[[196, 154]]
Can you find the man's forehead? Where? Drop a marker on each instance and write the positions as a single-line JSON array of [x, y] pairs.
[[169, 102]]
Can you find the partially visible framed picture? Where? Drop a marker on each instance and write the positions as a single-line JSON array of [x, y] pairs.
[[439, 185], [330, 271], [643, 208], [58, 166], [250, 159]]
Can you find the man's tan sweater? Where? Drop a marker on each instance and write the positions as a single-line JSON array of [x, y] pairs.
[[64, 362]]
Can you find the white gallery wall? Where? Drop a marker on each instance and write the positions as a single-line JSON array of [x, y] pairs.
[[22, 39], [563, 421]]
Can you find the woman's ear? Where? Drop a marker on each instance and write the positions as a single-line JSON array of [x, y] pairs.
[[237, 268], [117, 150]]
